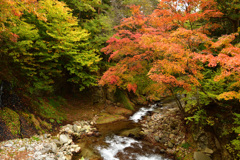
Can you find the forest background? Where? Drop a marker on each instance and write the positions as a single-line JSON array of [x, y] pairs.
[[187, 49]]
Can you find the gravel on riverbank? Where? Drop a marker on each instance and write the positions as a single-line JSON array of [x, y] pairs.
[[47, 147]]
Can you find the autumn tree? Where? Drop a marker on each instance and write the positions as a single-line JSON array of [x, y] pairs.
[[230, 22], [52, 49], [161, 47]]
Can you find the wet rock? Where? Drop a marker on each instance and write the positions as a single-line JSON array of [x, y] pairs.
[[135, 132], [119, 111], [108, 118], [200, 156]]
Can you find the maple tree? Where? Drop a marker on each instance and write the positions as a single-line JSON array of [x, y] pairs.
[[160, 46], [174, 51]]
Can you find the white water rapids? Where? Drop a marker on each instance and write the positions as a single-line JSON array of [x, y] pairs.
[[125, 146], [142, 112]]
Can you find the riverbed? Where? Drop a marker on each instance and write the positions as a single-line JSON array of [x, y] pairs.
[[120, 141]]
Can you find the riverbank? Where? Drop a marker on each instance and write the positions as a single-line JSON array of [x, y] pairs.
[[81, 114], [167, 128], [164, 129]]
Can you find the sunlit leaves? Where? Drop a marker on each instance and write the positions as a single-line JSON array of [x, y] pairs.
[[173, 47], [52, 47]]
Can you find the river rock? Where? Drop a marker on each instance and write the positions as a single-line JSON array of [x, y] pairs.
[[119, 111], [77, 128], [208, 151], [135, 132], [63, 138], [21, 149], [54, 147], [47, 136], [8, 145], [200, 156], [108, 118]]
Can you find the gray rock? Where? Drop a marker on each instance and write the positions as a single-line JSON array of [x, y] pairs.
[[47, 136], [75, 128], [208, 151], [54, 147], [8, 145], [69, 130], [68, 142], [60, 154], [77, 149], [200, 156], [45, 150], [57, 142], [63, 138], [21, 149]]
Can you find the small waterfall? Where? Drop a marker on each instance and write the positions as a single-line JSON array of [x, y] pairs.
[[126, 148], [122, 148], [142, 112]]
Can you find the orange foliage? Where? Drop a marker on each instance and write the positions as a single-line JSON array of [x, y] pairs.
[[165, 47]]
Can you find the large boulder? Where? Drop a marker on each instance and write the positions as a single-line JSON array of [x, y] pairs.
[[135, 132], [108, 118], [200, 156], [119, 111]]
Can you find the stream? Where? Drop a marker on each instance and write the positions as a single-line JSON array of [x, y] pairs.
[[114, 144]]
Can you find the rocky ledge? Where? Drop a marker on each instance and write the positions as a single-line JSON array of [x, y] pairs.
[[48, 147], [165, 128]]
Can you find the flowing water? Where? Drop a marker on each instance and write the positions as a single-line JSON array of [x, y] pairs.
[[142, 112], [111, 145]]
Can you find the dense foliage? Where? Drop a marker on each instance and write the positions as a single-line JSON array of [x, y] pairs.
[[187, 49], [181, 49]]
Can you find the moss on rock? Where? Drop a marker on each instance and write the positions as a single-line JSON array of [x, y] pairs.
[[11, 119], [123, 98], [107, 118], [119, 111], [33, 120], [46, 125], [131, 132]]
